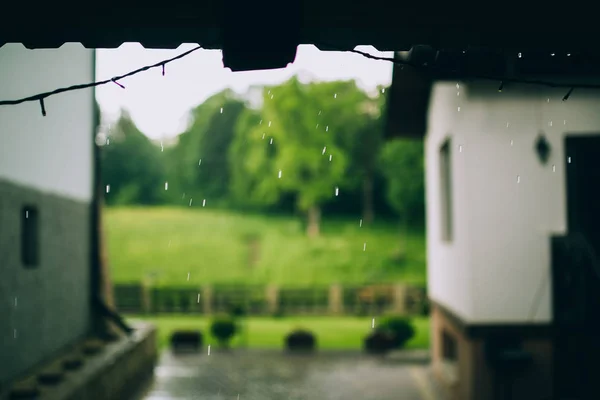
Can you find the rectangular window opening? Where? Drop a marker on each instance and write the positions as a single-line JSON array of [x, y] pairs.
[[30, 237], [449, 347], [446, 190]]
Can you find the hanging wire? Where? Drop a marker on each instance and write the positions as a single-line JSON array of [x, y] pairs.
[[502, 80]]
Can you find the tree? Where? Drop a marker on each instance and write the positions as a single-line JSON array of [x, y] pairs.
[[402, 163], [300, 145], [200, 157], [131, 166]]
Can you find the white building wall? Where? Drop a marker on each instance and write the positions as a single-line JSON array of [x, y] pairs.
[[511, 203], [52, 153]]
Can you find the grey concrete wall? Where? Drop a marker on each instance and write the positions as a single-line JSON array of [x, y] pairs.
[[42, 309]]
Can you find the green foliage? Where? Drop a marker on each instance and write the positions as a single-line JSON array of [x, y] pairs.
[[223, 328], [287, 152], [132, 166], [400, 328], [402, 163]]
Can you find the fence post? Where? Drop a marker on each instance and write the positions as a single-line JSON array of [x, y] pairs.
[[400, 293], [336, 303], [207, 295], [146, 297], [272, 296]]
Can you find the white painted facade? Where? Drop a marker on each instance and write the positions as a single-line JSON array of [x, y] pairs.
[[506, 203], [53, 153]]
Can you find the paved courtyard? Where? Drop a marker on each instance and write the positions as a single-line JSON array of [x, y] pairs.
[[276, 376]]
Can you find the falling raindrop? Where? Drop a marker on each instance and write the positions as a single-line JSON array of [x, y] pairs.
[[373, 323], [166, 185], [458, 93], [188, 278], [552, 54], [26, 214], [221, 110], [458, 109], [511, 142], [568, 54], [335, 95], [553, 168], [569, 160], [162, 148], [263, 136], [15, 301], [460, 148], [457, 86], [518, 178], [383, 90], [15, 333], [191, 202], [520, 55], [330, 156], [107, 188], [550, 123], [279, 175], [271, 97], [198, 297], [183, 196], [327, 128], [271, 141], [324, 150], [564, 121], [269, 124], [199, 162], [107, 141], [337, 191], [365, 246], [209, 349], [360, 223], [319, 112], [260, 123], [548, 100], [316, 127], [507, 124], [204, 203]]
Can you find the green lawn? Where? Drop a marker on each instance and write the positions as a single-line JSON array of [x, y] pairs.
[[268, 333], [167, 243]]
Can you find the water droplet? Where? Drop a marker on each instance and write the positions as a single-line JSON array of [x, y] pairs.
[[548, 100], [383, 90], [191, 202], [269, 92], [166, 185], [550, 123], [26, 214], [327, 128], [507, 124], [511, 142], [520, 55], [209, 349], [263, 136], [457, 86], [221, 110], [269, 124], [458, 109], [518, 178], [324, 150], [337, 190], [553, 168], [552, 54], [335, 95], [280, 172], [317, 126], [271, 141], [107, 141], [360, 223], [564, 121], [260, 123], [568, 54], [204, 203], [107, 188], [365, 246], [271, 97], [373, 324], [188, 278], [460, 148], [319, 112], [330, 156], [458, 93], [198, 298], [569, 160], [199, 162], [162, 148]]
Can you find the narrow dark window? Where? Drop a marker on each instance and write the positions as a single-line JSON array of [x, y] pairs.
[[446, 190], [30, 237], [449, 347]]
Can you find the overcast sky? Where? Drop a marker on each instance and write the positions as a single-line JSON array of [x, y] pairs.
[[159, 104]]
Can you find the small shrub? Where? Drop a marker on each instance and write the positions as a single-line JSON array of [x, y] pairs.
[[400, 328], [223, 328], [379, 342], [186, 340], [237, 310], [301, 341]]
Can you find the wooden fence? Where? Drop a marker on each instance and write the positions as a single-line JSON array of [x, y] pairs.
[[139, 298]]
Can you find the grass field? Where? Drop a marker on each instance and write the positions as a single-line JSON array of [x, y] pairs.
[[213, 247], [345, 333]]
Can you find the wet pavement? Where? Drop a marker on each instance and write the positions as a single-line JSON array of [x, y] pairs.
[[273, 376]]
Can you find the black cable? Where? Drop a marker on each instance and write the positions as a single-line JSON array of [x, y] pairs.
[[41, 96]]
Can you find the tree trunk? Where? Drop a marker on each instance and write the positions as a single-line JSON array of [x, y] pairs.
[[314, 221], [368, 207]]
